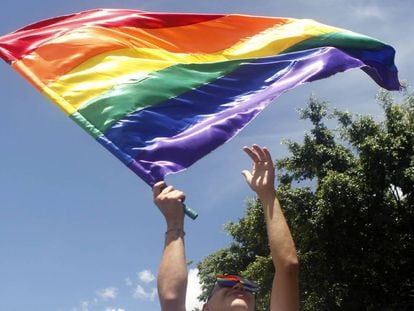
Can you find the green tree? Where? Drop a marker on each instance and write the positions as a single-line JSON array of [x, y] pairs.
[[348, 194]]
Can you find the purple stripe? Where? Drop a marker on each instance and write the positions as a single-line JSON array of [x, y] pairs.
[[174, 154]]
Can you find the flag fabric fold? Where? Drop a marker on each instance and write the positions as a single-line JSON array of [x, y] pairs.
[[162, 90]]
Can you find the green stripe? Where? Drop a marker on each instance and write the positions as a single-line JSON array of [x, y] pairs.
[[106, 109], [103, 111], [345, 40], [86, 125]]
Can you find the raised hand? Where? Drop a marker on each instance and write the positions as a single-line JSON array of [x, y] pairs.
[[262, 177], [170, 202]]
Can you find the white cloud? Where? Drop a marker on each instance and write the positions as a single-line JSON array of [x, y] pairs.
[[128, 282], [369, 11], [108, 293], [141, 293], [84, 306], [193, 290], [114, 309], [146, 276]]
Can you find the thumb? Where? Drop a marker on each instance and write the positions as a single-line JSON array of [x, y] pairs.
[[247, 175], [158, 187]]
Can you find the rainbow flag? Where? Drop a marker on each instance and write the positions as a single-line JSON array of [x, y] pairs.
[[161, 90]]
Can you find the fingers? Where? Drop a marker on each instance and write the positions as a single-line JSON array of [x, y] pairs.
[[251, 153], [167, 189], [181, 196], [161, 188], [247, 175], [158, 187], [258, 154], [268, 157]]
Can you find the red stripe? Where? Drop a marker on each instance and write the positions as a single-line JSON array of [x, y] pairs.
[[16, 45]]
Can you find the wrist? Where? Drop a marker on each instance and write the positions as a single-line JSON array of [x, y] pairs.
[[268, 195], [175, 224], [175, 232]]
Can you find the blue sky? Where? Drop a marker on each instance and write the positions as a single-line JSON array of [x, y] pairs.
[[78, 230]]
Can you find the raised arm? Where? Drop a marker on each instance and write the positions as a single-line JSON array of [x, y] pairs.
[[172, 275], [285, 288]]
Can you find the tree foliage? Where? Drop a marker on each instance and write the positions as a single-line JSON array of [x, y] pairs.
[[348, 195]]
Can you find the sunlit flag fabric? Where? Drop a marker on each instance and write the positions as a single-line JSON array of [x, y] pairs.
[[161, 90]]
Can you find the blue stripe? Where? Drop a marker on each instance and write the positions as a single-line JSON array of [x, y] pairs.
[[171, 117]]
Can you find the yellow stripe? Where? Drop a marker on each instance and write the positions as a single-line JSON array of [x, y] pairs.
[[277, 39], [106, 70]]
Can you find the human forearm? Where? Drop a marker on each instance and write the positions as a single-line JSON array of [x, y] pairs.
[[172, 275], [285, 287], [281, 243]]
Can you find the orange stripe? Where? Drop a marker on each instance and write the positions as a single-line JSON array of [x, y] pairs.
[[61, 55], [207, 37]]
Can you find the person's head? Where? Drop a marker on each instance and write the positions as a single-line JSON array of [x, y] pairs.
[[231, 293]]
